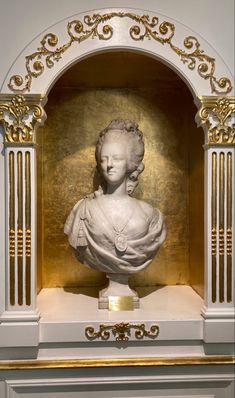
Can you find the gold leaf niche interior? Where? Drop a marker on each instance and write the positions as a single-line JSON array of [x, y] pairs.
[[82, 102]]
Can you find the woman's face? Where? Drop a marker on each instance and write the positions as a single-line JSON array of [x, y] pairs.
[[114, 159]]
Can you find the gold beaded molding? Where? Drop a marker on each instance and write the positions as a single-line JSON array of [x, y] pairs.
[[217, 113], [121, 331], [145, 28], [20, 118]]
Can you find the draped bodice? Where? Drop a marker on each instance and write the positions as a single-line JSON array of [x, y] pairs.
[[94, 235]]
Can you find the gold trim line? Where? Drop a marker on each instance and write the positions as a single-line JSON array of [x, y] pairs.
[[20, 232], [116, 362], [12, 228], [221, 224], [229, 226], [28, 226], [214, 226]]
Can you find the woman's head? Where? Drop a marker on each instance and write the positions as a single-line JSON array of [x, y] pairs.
[[128, 141]]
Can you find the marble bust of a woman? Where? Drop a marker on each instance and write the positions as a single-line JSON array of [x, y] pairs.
[[110, 230]]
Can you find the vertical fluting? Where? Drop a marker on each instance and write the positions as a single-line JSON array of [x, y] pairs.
[[28, 227], [229, 226], [20, 228], [221, 225], [12, 228], [214, 226]]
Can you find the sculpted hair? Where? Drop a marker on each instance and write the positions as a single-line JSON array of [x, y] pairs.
[[128, 130]]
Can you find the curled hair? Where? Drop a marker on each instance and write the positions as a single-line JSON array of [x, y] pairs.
[[128, 130]]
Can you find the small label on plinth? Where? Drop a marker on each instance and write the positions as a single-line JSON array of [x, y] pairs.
[[120, 303]]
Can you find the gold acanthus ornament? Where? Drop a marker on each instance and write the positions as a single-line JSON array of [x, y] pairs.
[[121, 331], [145, 28], [217, 113], [19, 119]]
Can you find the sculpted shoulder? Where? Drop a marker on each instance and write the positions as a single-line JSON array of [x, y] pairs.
[[146, 207]]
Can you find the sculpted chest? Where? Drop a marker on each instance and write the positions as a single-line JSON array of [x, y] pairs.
[[118, 217]]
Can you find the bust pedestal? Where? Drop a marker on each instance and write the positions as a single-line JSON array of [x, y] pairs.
[[118, 294]]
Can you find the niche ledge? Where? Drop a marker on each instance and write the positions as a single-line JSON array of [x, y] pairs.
[[65, 313]]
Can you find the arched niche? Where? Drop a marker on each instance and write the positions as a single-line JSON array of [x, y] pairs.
[[82, 102]]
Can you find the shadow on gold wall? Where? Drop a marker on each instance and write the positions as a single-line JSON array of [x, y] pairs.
[[81, 104]]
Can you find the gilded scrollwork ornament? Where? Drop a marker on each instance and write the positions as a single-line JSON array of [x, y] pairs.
[[217, 114], [19, 118], [95, 27], [121, 331]]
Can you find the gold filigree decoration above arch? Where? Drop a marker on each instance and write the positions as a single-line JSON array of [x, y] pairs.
[[218, 116], [20, 118], [145, 28]]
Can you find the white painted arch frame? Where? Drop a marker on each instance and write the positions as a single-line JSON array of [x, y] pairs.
[[121, 21], [118, 37]]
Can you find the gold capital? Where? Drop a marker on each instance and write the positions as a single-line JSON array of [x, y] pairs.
[[20, 117], [217, 116]]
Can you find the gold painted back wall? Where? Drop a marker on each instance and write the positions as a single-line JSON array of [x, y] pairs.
[[75, 117]]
